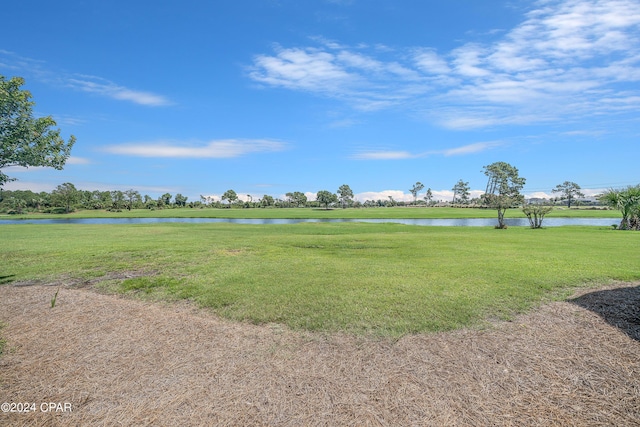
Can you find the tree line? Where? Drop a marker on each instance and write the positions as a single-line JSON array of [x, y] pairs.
[[28, 141]]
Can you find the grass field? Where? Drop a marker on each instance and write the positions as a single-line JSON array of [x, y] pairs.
[[302, 213], [381, 279]]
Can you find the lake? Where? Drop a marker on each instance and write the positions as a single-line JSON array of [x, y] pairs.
[[460, 222]]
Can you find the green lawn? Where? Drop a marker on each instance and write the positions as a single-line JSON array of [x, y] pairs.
[[301, 213], [382, 279]]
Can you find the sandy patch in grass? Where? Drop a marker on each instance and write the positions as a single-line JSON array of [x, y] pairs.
[[125, 362]]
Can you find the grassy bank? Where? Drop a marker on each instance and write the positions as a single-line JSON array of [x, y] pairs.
[[302, 213], [386, 279]]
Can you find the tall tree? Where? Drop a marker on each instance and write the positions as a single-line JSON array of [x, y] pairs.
[[25, 140], [230, 196], [106, 199], [180, 200], [117, 200], [503, 189], [345, 195], [326, 198], [417, 187], [131, 197], [428, 196], [461, 192], [66, 195], [569, 191]]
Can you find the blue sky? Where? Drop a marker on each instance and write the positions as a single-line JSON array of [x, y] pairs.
[[273, 96]]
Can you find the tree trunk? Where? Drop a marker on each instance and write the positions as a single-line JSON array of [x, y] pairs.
[[501, 224]]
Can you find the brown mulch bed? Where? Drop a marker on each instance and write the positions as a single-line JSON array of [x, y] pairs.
[[125, 362]]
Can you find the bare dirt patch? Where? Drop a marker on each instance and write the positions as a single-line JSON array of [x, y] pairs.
[[127, 362], [71, 282]]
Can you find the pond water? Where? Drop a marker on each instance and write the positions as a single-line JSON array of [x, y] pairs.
[[460, 222]]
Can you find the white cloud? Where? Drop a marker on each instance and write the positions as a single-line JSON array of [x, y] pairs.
[[566, 59], [383, 155], [539, 195], [468, 61], [428, 61], [91, 84], [36, 187], [471, 148], [73, 160], [304, 69], [401, 196], [397, 195], [112, 90], [214, 149], [21, 169], [400, 155], [361, 80]]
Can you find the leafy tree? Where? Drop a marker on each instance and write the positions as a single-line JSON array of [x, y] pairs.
[[503, 189], [106, 199], [346, 195], [16, 205], [25, 140], [165, 199], [149, 202], [66, 195], [207, 200], [117, 200], [569, 191], [428, 196], [267, 201], [417, 187], [297, 198], [535, 214], [131, 197], [461, 191], [181, 200], [326, 198], [230, 196], [627, 201]]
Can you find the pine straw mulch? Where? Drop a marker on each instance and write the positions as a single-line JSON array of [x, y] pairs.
[[126, 362]]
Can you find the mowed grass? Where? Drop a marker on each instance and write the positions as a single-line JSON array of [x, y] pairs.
[[381, 279], [304, 213]]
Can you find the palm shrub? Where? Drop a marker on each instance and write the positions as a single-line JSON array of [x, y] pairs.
[[627, 201]]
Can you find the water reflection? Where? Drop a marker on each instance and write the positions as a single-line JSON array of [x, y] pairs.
[[460, 222]]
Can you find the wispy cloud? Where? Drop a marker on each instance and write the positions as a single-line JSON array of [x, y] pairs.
[[401, 155], [74, 160], [383, 155], [218, 149], [471, 148], [90, 84], [359, 79], [566, 59], [109, 89]]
